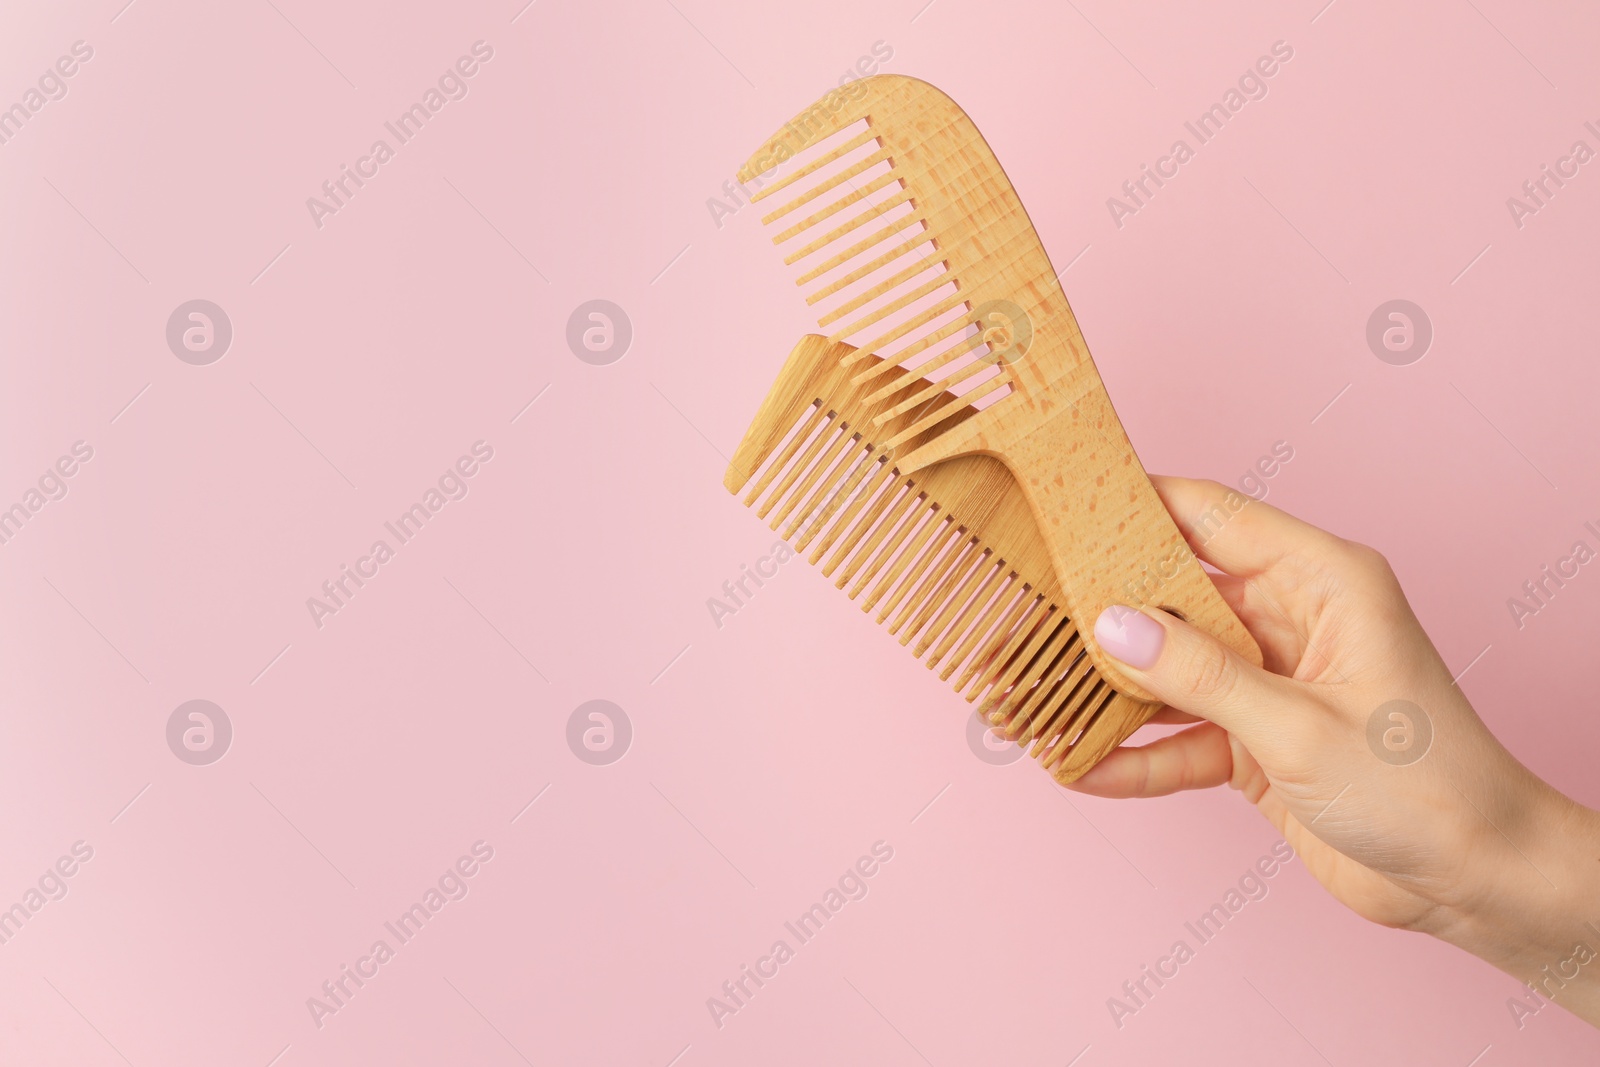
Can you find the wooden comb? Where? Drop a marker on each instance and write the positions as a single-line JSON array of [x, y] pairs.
[[949, 557], [921, 255]]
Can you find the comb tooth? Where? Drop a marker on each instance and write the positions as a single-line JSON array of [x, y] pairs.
[[862, 245], [951, 623], [944, 411], [885, 495], [924, 521], [944, 278], [1056, 699], [925, 586], [924, 265], [1025, 695], [949, 329], [1007, 641], [846, 524], [891, 386], [927, 569], [855, 196], [908, 625], [828, 184], [1011, 606], [861, 272], [917, 557], [808, 482], [994, 680], [991, 629], [807, 425], [839, 498], [873, 211], [1006, 674], [799, 466], [1054, 695], [931, 389], [1055, 762], [949, 600], [916, 322], [903, 515], [837, 491], [805, 507], [987, 605], [1073, 689], [1073, 694], [1034, 682], [815, 165], [1072, 710]]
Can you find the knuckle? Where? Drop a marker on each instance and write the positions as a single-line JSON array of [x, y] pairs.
[[1370, 564], [1208, 672], [1141, 781], [1368, 557]]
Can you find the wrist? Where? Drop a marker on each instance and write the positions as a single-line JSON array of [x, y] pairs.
[[1531, 905]]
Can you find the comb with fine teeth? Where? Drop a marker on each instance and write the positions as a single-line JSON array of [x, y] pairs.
[[919, 253], [950, 557]]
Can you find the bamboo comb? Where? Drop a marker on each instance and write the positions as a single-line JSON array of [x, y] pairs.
[[921, 255], [949, 557]]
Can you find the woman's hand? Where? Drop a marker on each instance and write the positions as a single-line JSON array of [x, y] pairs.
[[1357, 745]]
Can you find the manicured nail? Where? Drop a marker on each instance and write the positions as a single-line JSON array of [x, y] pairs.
[[1130, 636]]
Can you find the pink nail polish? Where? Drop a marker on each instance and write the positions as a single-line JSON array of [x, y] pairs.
[[1130, 636]]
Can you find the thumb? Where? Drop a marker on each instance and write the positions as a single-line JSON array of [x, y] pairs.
[[1192, 671]]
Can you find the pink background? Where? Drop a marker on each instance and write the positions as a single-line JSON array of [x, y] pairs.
[[769, 754]]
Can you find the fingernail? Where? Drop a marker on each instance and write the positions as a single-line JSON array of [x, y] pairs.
[[1130, 636]]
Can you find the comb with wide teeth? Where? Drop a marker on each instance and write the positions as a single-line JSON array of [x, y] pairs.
[[874, 268], [949, 560]]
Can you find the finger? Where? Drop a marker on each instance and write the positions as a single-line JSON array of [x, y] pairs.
[[1236, 534], [1172, 717], [1197, 758], [1194, 672]]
